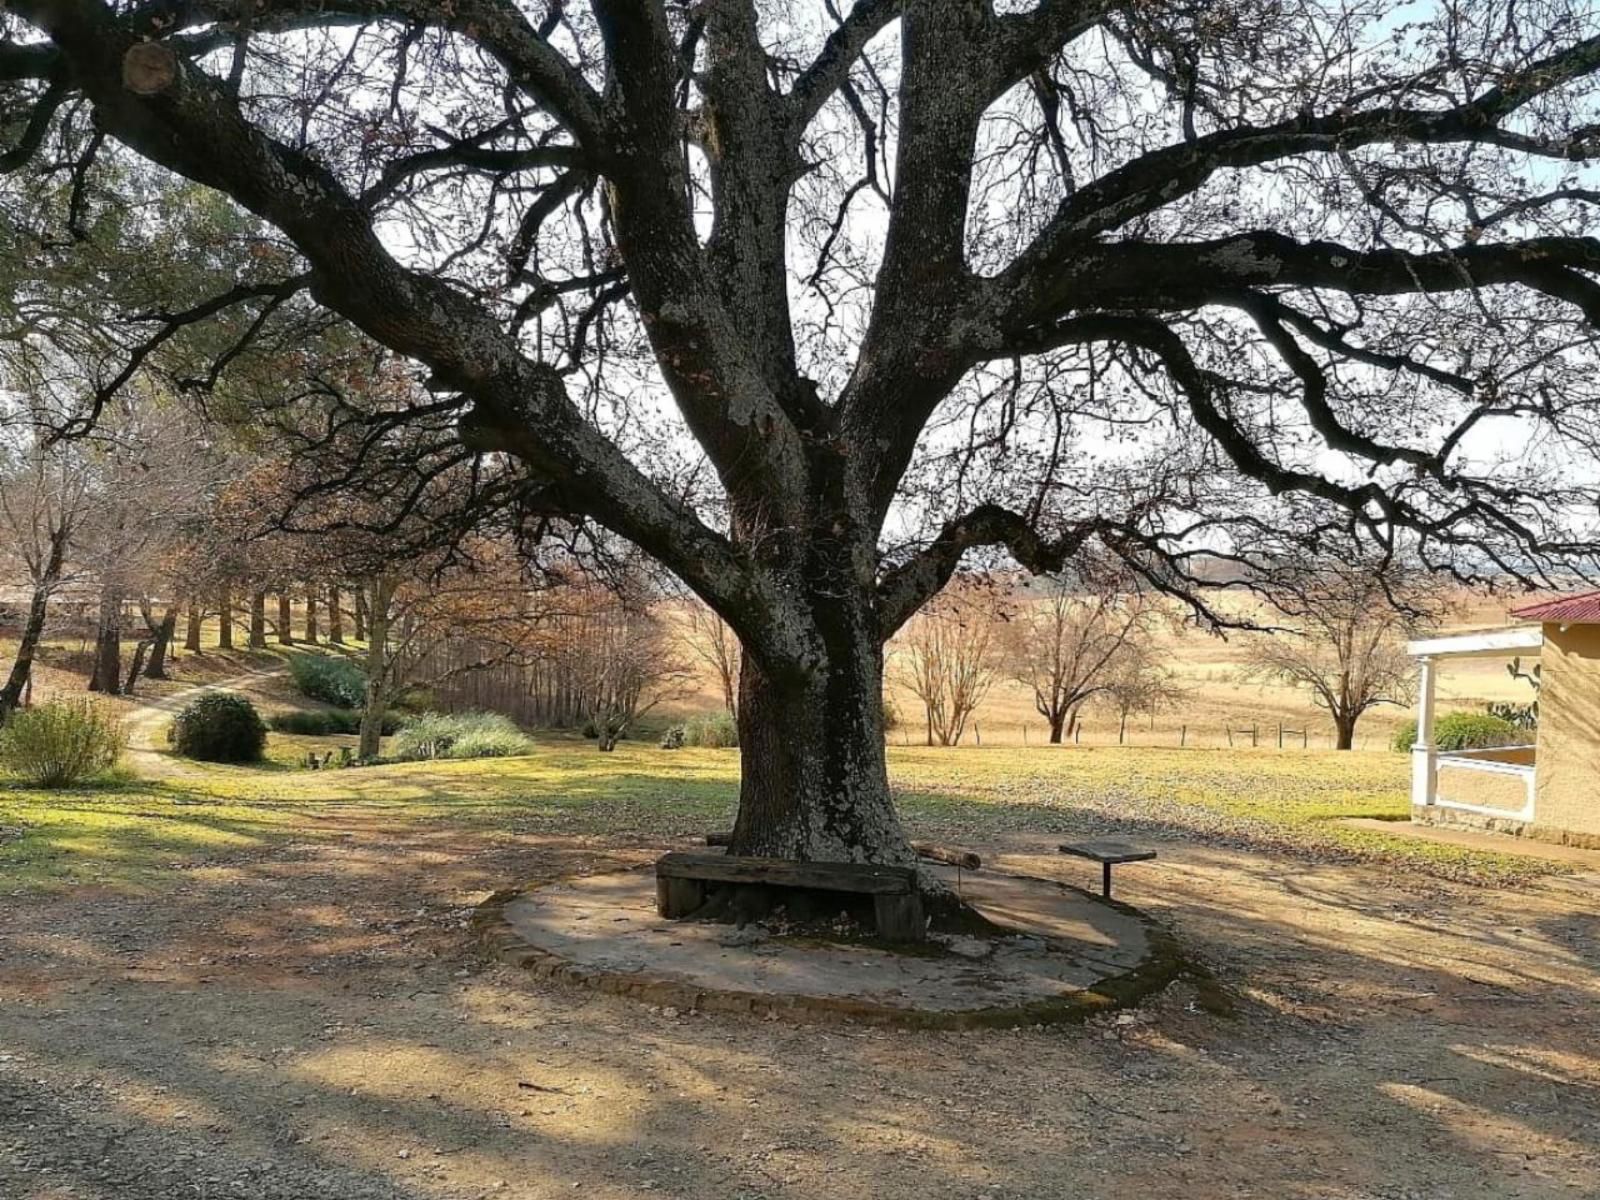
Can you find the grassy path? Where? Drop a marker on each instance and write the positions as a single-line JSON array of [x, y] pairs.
[[147, 723]]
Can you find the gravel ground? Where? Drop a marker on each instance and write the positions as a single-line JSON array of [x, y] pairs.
[[310, 1022]]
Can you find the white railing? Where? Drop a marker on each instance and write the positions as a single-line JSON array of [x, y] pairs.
[[1470, 763]]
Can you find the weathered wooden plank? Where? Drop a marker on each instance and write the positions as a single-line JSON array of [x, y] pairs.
[[864, 878], [677, 897], [900, 918], [1107, 852], [953, 856]]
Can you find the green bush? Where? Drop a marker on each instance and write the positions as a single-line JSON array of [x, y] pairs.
[[459, 735], [61, 742], [1462, 731], [330, 678], [712, 731], [325, 722], [219, 727]]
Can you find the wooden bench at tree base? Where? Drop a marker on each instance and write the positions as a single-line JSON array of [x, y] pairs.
[[1107, 854], [953, 856], [681, 881]]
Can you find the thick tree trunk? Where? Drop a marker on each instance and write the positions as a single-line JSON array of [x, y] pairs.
[[225, 619], [335, 617], [139, 652], [285, 619], [107, 674], [18, 683], [360, 607], [1344, 732], [814, 781], [1058, 725], [27, 646], [311, 614], [191, 633], [258, 620], [377, 700], [160, 643]]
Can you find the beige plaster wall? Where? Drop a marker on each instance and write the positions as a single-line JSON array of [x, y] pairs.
[[1504, 790], [1568, 787]]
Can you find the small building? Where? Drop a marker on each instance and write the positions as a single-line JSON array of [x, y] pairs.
[[1550, 788]]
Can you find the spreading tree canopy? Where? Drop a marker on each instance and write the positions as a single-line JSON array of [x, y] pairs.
[[1204, 287]]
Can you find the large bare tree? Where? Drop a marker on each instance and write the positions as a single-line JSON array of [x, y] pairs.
[[1198, 282], [1067, 646], [1348, 643], [948, 657]]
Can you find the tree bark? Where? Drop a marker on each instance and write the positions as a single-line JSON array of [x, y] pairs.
[[285, 619], [814, 781], [107, 674], [258, 620], [1344, 731], [377, 699], [311, 614], [225, 618], [360, 607], [27, 646], [33, 628], [191, 634], [1058, 725], [335, 617], [139, 652], [160, 643]]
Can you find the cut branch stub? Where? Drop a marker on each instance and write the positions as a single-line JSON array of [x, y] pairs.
[[149, 68]]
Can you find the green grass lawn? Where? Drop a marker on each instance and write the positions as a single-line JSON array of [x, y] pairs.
[[127, 832]]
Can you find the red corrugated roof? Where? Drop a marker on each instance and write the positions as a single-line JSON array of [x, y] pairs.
[[1582, 609]]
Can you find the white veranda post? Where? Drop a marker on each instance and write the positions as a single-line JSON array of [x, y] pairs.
[[1424, 755]]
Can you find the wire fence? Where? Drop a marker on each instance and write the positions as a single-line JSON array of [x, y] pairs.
[[1292, 733]]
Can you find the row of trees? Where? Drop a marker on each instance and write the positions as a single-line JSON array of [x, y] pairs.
[[564, 649], [155, 523], [137, 525]]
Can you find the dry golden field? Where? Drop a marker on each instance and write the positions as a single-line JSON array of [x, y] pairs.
[[1211, 669]]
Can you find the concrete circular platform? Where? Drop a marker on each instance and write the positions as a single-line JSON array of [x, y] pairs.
[[1070, 955]]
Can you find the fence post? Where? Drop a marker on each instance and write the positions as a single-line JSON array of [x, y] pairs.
[[1183, 736]]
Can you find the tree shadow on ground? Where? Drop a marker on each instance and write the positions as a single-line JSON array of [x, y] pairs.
[[315, 1013]]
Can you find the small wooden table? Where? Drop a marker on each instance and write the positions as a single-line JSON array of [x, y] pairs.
[[1107, 854], [681, 880]]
